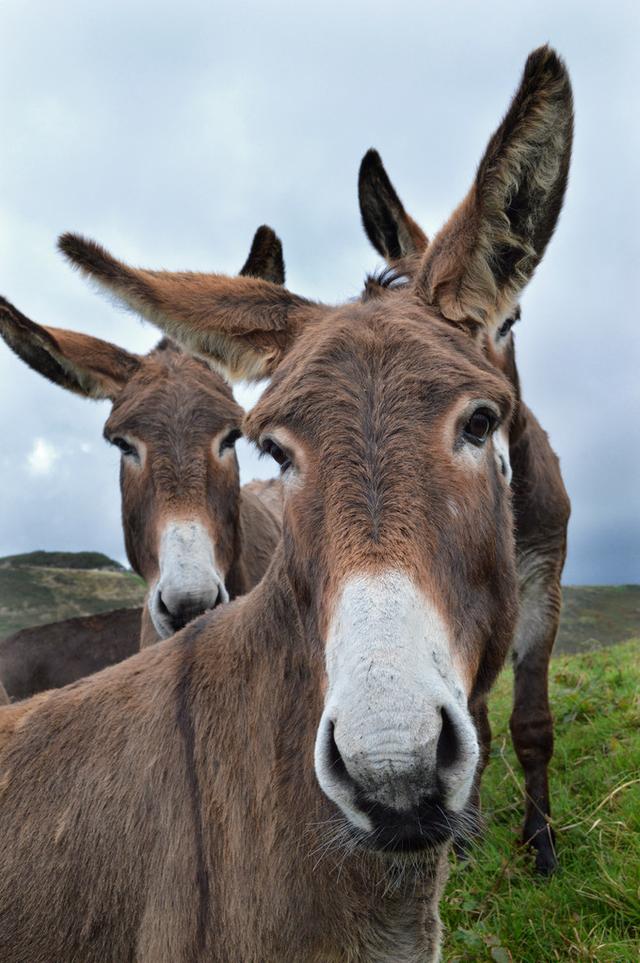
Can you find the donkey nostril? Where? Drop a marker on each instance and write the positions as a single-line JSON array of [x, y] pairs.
[[448, 750], [335, 760], [218, 601], [162, 607]]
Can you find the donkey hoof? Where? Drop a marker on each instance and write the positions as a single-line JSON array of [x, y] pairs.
[[542, 842], [546, 860]]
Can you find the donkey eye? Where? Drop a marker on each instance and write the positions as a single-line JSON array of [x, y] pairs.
[[229, 440], [124, 446], [279, 455], [479, 426], [505, 328]]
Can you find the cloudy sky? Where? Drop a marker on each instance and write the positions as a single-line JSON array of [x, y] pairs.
[[170, 131]]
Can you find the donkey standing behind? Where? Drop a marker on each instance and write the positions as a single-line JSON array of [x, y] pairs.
[[190, 531], [541, 507], [189, 797], [52, 655]]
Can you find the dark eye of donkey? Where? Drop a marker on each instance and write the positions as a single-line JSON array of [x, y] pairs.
[[279, 455], [506, 326], [229, 440], [124, 446], [479, 426]]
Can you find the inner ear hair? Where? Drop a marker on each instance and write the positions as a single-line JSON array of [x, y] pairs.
[[242, 325], [266, 259], [481, 260], [392, 232]]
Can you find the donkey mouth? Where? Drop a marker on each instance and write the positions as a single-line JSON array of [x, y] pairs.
[[427, 826]]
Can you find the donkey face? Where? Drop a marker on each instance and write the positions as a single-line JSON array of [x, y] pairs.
[[176, 423], [399, 532], [404, 577]]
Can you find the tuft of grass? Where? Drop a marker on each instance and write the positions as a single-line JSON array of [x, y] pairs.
[[495, 908]]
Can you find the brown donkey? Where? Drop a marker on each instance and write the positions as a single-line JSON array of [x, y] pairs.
[[190, 532], [280, 781], [540, 503]]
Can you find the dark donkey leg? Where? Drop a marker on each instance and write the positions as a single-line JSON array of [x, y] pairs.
[[531, 722]]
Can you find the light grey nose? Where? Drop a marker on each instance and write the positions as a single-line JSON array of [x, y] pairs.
[[392, 767]]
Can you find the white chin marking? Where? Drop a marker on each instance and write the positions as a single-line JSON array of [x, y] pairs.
[[189, 579], [501, 449], [392, 687]]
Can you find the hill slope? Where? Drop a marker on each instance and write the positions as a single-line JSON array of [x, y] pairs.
[[595, 616], [42, 587], [47, 586]]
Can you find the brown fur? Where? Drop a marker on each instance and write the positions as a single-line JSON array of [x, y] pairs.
[[51, 656], [4, 697], [541, 505], [175, 793]]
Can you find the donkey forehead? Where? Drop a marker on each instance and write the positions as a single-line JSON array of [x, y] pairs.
[[394, 355], [174, 393]]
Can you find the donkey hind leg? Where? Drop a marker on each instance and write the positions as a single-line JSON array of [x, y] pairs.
[[531, 722], [480, 714]]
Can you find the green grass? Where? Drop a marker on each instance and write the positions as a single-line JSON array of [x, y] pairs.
[[495, 909]]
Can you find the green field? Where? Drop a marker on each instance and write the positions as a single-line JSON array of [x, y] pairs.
[[495, 909], [47, 586]]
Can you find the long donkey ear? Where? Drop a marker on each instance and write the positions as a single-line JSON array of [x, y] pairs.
[[265, 259], [393, 233], [88, 366], [243, 325], [483, 257]]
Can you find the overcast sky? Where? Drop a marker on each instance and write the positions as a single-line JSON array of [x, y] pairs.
[[169, 131]]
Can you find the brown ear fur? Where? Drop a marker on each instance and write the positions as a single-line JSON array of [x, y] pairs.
[[479, 262], [393, 233], [82, 364], [243, 325], [265, 259]]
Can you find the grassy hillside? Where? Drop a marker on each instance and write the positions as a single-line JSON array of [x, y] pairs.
[[84, 560], [47, 586], [597, 615], [494, 908]]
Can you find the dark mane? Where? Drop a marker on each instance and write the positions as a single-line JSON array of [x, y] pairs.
[[384, 280]]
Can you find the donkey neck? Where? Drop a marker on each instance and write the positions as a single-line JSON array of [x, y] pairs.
[[256, 537]]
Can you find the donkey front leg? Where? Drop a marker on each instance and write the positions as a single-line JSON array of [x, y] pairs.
[[531, 722]]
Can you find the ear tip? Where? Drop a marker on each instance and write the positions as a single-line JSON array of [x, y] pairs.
[[546, 67], [266, 233], [74, 246], [370, 164]]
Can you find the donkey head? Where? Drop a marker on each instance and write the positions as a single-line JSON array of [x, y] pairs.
[[383, 414], [175, 423]]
